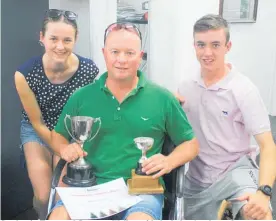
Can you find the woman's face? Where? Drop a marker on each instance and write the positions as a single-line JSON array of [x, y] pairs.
[[59, 40]]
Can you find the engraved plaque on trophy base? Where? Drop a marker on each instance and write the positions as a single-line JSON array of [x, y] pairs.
[[139, 184]]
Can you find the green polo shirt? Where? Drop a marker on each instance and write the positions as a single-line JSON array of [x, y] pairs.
[[148, 111]]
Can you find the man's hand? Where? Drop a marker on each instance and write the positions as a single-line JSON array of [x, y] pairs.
[[180, 98], [257, 206], [155, 163], [72, 152]]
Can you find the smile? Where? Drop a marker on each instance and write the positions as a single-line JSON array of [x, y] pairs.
[[59, 53], [121, 68], [208, 61]]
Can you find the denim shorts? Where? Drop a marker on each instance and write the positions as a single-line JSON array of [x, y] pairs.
[[28, 134], [150, 204]]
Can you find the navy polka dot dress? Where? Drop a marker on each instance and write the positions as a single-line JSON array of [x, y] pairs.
[[52, 97]]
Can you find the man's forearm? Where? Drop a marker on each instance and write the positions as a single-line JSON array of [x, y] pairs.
[[184, 153]]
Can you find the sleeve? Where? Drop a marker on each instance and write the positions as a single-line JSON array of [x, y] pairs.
[[177, 125], [26, 67], [71, 108], [254, 113]]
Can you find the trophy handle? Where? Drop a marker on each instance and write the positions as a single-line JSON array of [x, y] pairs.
[[65, 123], [100, 124]]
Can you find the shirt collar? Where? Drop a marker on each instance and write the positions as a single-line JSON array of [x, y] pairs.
[[221, 84], [141, 82]]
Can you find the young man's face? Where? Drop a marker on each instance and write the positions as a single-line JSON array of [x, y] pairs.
[[122, 53], [211, 48]]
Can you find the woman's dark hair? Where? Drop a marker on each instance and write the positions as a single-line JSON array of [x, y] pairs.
[[55, 15]]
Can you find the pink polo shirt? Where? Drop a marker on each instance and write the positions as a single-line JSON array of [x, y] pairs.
[[223, 117]]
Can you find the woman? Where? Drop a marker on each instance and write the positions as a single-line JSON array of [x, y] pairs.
[[44, 84]]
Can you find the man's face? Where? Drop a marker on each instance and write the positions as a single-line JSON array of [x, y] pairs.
[[211, 48], [122, 54]]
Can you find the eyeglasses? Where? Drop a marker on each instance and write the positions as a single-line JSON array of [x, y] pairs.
[[56, 14], [120, 25]]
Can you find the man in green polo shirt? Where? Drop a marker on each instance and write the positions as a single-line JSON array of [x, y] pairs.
[[129, 106]]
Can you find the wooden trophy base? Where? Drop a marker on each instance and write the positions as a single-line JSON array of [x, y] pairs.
[[139, 184]]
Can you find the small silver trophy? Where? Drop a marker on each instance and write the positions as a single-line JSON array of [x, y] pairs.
[[140, 182], [79, 172], [144, 144]]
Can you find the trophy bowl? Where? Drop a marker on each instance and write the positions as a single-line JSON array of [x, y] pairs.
[[143, 144], [80, 172], [140, 182]]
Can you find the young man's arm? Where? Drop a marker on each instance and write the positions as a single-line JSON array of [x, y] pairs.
[[257, 122], [267, 175]]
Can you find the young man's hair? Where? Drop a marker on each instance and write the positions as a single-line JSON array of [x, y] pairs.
[[212, 22]]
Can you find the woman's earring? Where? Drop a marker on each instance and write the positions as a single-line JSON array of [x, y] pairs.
[[41, 43]]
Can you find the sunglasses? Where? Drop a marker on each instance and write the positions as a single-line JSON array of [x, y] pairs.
[[56, 14], [119, 25]]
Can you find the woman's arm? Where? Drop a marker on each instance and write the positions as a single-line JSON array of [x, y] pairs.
[[31, 107]]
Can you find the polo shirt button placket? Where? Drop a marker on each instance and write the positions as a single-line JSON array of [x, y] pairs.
[[117, 114], [205, 97]]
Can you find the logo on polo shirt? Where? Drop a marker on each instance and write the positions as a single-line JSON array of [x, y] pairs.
[[144, 119], [225, 113]]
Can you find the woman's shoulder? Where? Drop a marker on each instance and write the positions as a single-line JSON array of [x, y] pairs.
[[29, 65], [88, 65], [85, 60]]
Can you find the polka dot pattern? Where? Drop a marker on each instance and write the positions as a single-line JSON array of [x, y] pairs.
[[52, 97]]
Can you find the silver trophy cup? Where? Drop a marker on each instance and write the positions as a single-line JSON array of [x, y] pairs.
[[144, 144], [80, 172]]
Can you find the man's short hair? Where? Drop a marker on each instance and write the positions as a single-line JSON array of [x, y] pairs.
[[212, 22]]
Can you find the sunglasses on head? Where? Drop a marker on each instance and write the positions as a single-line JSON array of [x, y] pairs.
[[56, 14], [119, 25]]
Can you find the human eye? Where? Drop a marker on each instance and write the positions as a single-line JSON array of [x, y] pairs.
[[68, 40], [114, 52], [216, 45], [200, 45], [130, 53]]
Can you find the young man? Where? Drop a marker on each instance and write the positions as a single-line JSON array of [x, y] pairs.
[[129, 106], [225, 109]]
